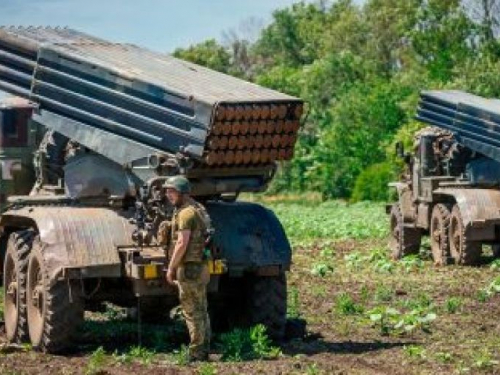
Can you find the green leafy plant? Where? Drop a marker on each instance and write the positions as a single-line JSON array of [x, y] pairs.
[[444, 357], [136, 353], [345, 305], [494, 287], [96, 362], [482, 296], [181, 356], [389, 320], [495, 265], [383, 266], [261, 343], [383, 294], [484, 360], [453, 304], [244, 344], [354, 260], [414, 320], [414, 351], [411, 263], [327, 252], [321, 269], [384, 318], [207, 369]]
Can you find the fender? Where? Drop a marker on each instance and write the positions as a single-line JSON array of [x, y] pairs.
[[480, 208], [405, 197], [76, 237], [249, 236]]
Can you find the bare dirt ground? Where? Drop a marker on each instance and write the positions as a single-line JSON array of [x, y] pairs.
[[365, 315]]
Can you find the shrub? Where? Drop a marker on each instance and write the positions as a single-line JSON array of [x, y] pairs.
[[371, 184]]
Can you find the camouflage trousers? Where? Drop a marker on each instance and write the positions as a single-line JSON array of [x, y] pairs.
[[192, 280]]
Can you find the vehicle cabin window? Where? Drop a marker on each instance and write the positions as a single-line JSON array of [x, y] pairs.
[[12, 128]]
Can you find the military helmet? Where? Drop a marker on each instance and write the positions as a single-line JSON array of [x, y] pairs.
[[179, 183]]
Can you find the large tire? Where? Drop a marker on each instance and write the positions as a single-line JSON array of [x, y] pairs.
[[439, 234], [14, 276], [462, 250], [267, 304], [404, 240], [55, 307]]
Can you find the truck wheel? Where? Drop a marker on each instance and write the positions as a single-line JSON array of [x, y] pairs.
[[14, 279], [439, 234], [268, 303], [404, 240], [55, 308], [463, 251]]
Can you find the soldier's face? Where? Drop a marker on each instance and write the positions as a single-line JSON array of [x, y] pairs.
[[173, 196]]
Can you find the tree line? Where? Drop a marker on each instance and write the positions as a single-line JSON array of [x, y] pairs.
[[360, 69]]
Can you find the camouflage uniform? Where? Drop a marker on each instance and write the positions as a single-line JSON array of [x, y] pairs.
[[193, 277]]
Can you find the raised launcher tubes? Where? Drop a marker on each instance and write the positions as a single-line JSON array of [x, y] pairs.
[[474, 120], [128, 103]]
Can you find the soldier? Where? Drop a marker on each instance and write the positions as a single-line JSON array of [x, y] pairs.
[[188, 267]]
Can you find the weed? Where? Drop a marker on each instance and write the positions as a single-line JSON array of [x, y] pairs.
[[494, 287], [207, 369], [484, 360], [444, 357], [321, 269], [293, 310], [327, 252], [414, 351], [482, 296], [411, 263], [453, 304], [414, 320], [384, 318], [389, 320], [345, 305], [383, 294], [141, 354], [318, 290], [422, 301], [383, 266], [354, 260], [181, 356], [244, 344], [312, 369], [495, 265], [333, 220], [136, 353], [377, 255], [96, 362], [364, 293], [261, 343]]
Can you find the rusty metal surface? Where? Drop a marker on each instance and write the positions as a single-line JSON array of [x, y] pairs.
[[478, 207], [77, 236], [153, 98]]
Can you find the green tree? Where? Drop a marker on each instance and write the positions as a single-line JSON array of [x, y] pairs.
[[209, 53], [444, 36]]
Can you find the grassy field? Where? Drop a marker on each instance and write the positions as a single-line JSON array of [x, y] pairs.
[[365, 313]]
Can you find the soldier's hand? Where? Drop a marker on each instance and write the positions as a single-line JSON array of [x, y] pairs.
[[171, 276]]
